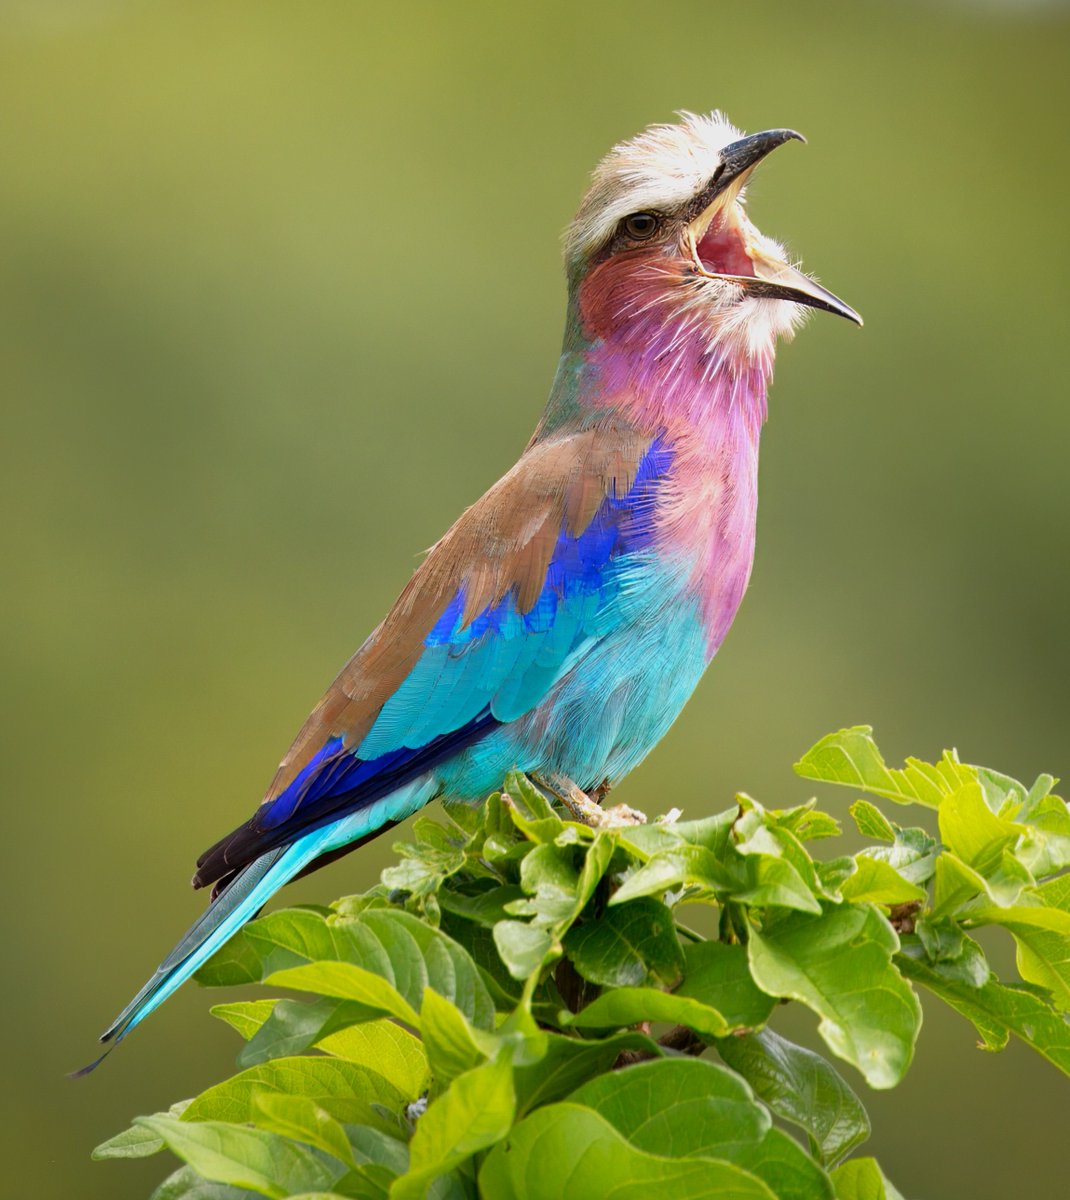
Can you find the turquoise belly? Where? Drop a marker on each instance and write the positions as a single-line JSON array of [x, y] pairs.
[[604, 716]]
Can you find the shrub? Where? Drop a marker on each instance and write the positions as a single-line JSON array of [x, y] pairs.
[[522, 1008]]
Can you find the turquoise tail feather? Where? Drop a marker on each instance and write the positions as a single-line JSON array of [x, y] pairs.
[[248, 893]]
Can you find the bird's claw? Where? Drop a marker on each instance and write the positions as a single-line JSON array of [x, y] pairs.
[[584, 808]]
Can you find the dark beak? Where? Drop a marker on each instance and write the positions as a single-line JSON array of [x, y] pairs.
[[737, 161], [772, 278], [739, 157]]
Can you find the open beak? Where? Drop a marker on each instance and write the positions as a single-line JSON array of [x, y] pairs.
[[722, 242]]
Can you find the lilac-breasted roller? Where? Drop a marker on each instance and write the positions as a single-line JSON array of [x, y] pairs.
[[561, 624]]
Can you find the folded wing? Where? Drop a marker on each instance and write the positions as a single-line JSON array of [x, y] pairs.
[[489, 622]]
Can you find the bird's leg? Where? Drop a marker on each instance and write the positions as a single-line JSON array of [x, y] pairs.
[[586, 808], [582, 807]]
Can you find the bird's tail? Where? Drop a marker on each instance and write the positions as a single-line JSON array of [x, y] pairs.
[[242, 899]]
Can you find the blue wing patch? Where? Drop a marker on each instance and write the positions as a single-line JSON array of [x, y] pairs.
[[474, 677]]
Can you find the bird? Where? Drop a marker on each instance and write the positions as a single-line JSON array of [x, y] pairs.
[[561, 624]]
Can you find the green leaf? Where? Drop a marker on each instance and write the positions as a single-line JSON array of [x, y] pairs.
[[385, 1047], [235, 963], [1044, 846], [718, 974], [957, 883], [768, 866], [478, 942], [372, 1146], [353, 1189], [437, 854], [549, 877], [570, 1061], [528, 800], [690, 1108], [628, 946], [789, 1171], [851, 757], [465, 817], [450, 1042], [474, 1113], [714, 974], [711, 833], [1055, 893], [839, 964], [344, 1029], [958, 956], [862, 1179], [380, 1160], [246, 1016], [871, 822], [347, 981], [302, 1120], [807, 822], [242, 1157], [595, 864], [682, 866], [1043, 938], [377, 897], [186, 1184], [801, 1087], [137, 1141], [879, 883], [281, 939], [400, 948], [413, 874], [343, 1089], [997, 1010], [485, 907], [769, 880], [913, 854], [413, 956], [529, 810], [630, 1006], [678, 1108], [523, 947], [833, 872], [558, 891], [519, 1037], [972, 831], [295, 1025], [759, 835], [568, 1150]]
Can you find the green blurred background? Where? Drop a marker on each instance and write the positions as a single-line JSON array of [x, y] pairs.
[[280, 293]]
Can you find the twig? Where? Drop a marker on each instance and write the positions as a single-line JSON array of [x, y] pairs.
[[679, 1039]]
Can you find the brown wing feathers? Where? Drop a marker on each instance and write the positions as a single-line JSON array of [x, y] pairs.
[[503, 541]]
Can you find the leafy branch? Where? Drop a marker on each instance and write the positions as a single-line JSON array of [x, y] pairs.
[[523, 1008]]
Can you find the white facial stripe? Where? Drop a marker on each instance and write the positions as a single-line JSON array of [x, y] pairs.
[[661, 169]]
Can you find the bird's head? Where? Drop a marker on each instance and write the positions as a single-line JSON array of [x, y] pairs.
[[662, 252]]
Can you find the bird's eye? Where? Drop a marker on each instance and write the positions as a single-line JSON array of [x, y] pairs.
[[641, 226]]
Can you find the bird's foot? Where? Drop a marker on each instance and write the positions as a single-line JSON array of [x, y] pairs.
[[585, 808]]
